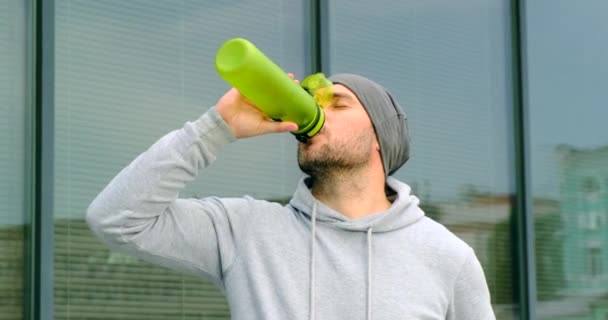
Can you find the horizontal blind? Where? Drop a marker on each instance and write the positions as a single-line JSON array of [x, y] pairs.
[[448, 64], [566, 56], [129, 72], [13, 111]]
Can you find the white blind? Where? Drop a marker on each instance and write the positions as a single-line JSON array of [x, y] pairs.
[[448, 64], [12, 156], [566, 56], [128, 72]]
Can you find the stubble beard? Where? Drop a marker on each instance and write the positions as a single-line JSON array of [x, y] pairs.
[[334, 161]]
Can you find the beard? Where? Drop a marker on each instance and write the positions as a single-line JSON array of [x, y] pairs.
[[336, 158]]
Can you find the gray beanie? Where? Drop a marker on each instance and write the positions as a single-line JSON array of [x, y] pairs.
[[388, 119]]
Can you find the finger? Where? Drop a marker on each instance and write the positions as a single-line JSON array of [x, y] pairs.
[[293, 77], [276, 126]]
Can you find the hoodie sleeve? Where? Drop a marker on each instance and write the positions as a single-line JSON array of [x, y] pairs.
[[139, 213], [471, 296]]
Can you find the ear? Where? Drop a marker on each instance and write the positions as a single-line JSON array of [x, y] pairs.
[[376, 143]]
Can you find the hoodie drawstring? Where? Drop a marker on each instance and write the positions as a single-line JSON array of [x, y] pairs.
[[312, 267], [369, 274], [312, 262]]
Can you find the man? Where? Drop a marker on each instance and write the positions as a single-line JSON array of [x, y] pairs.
[[351, 244]]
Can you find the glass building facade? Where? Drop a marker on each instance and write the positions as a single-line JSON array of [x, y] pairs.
[[505, 102]]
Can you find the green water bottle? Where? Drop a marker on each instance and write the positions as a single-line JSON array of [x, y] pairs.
[[268, 87]]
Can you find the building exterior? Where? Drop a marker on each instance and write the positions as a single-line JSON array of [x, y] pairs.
[[584, 212], [505, 102]]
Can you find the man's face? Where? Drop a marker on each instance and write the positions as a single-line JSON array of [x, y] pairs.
[[346, 141]]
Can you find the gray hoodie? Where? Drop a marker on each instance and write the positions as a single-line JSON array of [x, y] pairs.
[[298, 261]]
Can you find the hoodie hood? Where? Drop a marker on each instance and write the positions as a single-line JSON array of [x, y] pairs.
[[403, 212]]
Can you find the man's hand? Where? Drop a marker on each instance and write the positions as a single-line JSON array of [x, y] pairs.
[[245, 120]]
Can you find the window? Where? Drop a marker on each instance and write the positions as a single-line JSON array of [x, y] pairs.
[[594, 256], [14, 117], [448, 64], [568, 143], [128, 72], [590, 189], [590, 186]]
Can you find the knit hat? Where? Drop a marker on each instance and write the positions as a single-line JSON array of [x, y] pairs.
[[387, 117]]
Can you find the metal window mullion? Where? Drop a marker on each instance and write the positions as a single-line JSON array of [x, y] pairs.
[[319, 36], [524, 215], [39, 227], [30, 248]]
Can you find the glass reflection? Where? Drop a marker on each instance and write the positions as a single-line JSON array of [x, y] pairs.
[[128, 72], [569, 152], [449, 66], [13, 119]]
